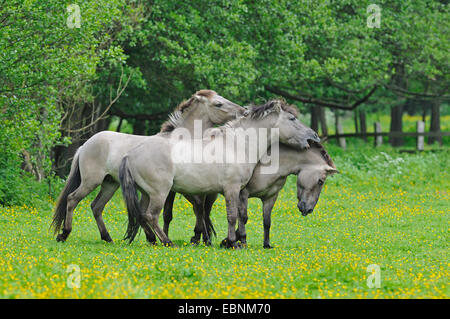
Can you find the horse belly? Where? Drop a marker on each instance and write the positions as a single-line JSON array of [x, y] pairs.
[[197, 179]]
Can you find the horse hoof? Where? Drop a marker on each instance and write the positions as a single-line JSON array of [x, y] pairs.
[[168, 244], [223, 243], [108, 239], [228, 244], [195, 241], [267, 246], [60, 238], [236, 245], [207, 243]]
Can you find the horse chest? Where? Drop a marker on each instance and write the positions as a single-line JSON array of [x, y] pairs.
[[265, 187]]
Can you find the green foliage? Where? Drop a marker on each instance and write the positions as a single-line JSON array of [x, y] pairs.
[[43, 65], [170, 49]]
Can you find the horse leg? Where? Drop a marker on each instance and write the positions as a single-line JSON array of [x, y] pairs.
[[107, 191], [168, 211], [151, 217], [241, 233], [149, 234], [267, 212], [72, 201], [232, 203], [198, 205]]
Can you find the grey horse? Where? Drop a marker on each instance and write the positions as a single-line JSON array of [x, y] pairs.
[[151, 168], [97, 161], [312, 166]]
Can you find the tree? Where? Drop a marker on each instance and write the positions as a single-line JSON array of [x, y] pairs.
[[44, 65]]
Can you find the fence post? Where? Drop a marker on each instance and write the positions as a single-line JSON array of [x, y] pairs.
[[378, 138], [420, 138], [341, 140]]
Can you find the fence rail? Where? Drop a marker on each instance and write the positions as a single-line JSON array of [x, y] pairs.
[[378, 135], [393, 134]]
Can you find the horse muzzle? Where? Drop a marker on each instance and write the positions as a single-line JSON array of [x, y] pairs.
[[302, 207]]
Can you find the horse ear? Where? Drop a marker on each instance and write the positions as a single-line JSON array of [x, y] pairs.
[[330, 170], [200, 98], [277, 106]]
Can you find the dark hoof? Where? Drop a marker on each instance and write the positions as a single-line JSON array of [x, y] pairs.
[[60, 238], [207, 242], [243, 244], [267, 246], [107, 238], [195, 241], [168, 244], [228, 244]]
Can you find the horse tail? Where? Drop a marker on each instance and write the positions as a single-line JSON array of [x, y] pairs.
[[206, 216], [209, 225], [130, 196], [72, 183]]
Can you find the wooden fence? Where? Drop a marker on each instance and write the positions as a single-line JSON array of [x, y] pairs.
[[378, 135]]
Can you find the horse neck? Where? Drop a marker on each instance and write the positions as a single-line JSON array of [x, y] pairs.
[[194, 114], [243, 126], [293, 161]]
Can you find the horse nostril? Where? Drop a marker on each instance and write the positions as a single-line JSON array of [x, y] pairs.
[[310, 211], [301, 206]]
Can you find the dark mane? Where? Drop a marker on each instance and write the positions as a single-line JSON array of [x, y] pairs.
[[258, 111], [323, 153], [169, 126]]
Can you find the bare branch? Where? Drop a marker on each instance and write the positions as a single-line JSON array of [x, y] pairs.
[[155, 116], [103, 115], [423, 95], [320, 102]]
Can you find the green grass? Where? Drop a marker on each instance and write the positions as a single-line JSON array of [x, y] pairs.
[[385, 208]]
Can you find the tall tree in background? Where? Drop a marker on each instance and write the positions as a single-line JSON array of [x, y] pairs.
[[45, 63]]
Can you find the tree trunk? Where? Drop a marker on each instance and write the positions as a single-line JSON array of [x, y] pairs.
[[119, 126], [435, 122], [315, 113], [355, 117], [323, 121], [363, 124], [396, 125], [139, 127], [79, 118]]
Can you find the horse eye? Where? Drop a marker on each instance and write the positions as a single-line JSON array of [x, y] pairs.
[[292, 119], [320, 182], [218, 105]]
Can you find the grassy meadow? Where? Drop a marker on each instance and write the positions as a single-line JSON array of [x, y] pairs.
[[385, 208]]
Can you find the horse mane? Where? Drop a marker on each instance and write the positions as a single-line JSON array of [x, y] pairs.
[[259, 111], [176, 117], [323, 152]]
